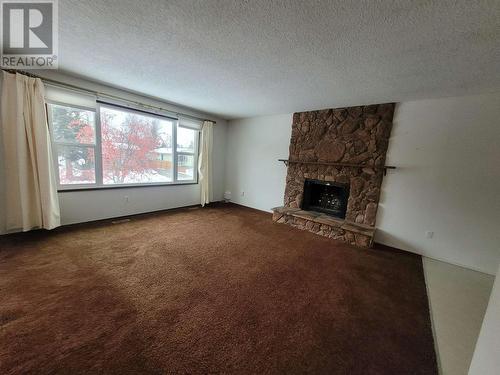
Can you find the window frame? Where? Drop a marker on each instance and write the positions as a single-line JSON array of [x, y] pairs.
[[194, 154], [99, 184]]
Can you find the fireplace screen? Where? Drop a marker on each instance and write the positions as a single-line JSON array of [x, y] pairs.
[[328, 197]]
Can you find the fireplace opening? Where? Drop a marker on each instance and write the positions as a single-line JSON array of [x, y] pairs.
[[327, 197]]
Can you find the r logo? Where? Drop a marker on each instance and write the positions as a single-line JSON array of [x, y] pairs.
[[27, 28]]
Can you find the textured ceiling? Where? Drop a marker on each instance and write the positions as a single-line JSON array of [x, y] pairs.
[[255, 57]]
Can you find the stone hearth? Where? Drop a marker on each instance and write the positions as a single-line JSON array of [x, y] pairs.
[[345, 146], [325, 225]]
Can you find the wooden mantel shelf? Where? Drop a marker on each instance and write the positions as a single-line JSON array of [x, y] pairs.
[[348, 165]]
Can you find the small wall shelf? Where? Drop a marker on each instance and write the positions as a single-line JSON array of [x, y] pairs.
[[347, 165]]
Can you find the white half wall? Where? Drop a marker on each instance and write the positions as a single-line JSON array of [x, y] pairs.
[[486, 358], [89, 205], [447, 182], [254, 176]]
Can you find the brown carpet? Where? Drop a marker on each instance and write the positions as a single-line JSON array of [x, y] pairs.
[[215, 290]]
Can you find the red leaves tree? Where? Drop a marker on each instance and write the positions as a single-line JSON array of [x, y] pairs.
[[127, 147], [74, 126], [85, 132], [85, 135]]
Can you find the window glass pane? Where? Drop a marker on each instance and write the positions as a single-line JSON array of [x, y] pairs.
[[186, 140], [136, 148], [185, 167], [72, 124], [76, 165]]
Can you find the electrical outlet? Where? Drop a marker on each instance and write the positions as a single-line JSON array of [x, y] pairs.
[[429, 234], [242, 193], [126, 198]]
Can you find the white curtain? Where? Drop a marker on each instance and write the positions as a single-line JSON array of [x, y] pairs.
[[30, 181], [205, 162]]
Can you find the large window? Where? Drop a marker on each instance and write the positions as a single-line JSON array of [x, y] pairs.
[[114, 146]]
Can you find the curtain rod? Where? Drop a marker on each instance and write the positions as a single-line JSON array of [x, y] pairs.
[[69, 86]]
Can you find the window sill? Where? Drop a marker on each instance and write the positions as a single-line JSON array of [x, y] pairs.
[[71, 190]]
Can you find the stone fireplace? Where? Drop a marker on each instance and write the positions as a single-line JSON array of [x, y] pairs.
[[336, 165]]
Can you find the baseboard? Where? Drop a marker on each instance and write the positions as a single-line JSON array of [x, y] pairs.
[[114, 218], [166, 210], [253, 208], [130, 216]]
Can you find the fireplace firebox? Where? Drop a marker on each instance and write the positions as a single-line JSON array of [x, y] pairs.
[[327, 197]]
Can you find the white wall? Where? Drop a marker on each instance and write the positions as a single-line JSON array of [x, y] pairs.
[[486, 359], [253, 148], [91, 205], [448, 179], [447, 153]]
